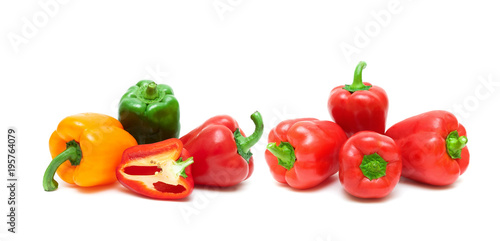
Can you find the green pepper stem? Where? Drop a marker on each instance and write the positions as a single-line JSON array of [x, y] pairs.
[[373, 166], [455, 144], [73, 153], [179, 167], [284, 152], [357, 83], [245, 143], [151, 91]]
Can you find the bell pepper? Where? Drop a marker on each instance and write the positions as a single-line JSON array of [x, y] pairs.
[[433, 147], [160, 170], [222, 151], [86, 148], [304, 152], [370, 165], [359, 106], [150, 112]]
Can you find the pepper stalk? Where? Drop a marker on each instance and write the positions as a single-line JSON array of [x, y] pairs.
[[244, 144], [455, 144], [357, 83], [284, 152], [373, 166], [73, 153]]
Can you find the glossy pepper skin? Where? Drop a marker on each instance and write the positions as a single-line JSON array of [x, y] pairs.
[[150, 112], [370, 165], [221, 150], [160, 170], [86, 148], [304, 152], [359, 106], [433, 147]]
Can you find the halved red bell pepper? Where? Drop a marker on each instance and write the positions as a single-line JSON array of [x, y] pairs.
[[221, 150], [370, 165], [160, 170], [304, 152], [433, 147], [359, 106]]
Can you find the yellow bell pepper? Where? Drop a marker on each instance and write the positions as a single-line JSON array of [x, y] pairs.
[[86, 148]]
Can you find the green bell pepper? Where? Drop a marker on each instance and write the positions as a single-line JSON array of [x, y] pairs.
[[150, 112]]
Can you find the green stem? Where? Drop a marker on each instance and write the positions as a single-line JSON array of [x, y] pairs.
[[180, 166], [284, 152], [357, 83], [455, 144], [245, 143], [373, 166], [73, 153], [151, 91]]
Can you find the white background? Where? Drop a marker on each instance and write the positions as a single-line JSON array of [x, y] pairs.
[[234, 57]]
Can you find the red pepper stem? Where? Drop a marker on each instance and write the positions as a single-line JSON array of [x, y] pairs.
[[455, 144], [73, 153], [373, 166], [357, 83], [180, 166], [284, 152], [245, 143]]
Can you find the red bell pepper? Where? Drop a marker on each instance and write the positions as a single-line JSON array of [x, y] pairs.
[[433, 147], [221, 150], [370, 165], [159, 170], [304, 152], [359, 106]]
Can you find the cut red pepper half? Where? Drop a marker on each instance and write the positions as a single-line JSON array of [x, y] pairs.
[[160, 170]]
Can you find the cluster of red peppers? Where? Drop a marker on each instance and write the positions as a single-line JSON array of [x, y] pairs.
[[142, 150], [428, 148]]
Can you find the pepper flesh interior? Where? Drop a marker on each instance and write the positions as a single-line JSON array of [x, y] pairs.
[[164, 187], [156, 172], [141, 170]]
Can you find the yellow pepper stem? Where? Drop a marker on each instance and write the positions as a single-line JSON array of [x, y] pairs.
[[73, 153]]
